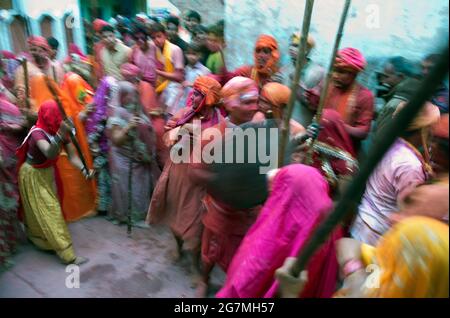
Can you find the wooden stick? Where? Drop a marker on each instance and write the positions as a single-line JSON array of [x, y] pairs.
[[325, 89], [63, 112], [337, 42], [301, 57], [27, 86], [356, 189], [130, 177]]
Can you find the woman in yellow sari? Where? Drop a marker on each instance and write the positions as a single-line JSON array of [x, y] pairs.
[[410, 261], [38, 176]]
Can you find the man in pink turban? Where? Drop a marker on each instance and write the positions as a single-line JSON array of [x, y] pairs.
[[350, 99]]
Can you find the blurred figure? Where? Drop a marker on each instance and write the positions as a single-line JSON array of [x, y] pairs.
[[194, 69], [200, 37], [168, 86], [191, 20], [8, 66], [37, 155], [173, 27], [132, 140], [411, 259], [113, 54], [298, 202], [440, 97], [402, 169], [78, 63], [216, 43], [354, 102], [177, 200], [312, 75], [12, 126]]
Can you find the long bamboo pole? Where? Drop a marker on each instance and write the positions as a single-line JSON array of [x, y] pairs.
[[356, 189], [301, 57], [326, 87]]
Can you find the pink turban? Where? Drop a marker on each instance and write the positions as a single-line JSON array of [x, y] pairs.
[[39, 41], [98, 24], [350, 59]]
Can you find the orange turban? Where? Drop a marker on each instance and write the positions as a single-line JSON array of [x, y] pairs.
[[267, 41], [350, 59], [210, 89], [276, 93], [39, 41]]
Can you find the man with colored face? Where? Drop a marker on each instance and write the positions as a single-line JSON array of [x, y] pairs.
[[265, 68]]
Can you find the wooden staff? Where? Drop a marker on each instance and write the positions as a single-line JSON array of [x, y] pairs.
[[27, 86], [356, 189], [133, 135], [63, 113], [301, 57], [324, 93]]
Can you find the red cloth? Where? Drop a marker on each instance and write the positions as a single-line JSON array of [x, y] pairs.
[[334, 134], [98, 24], [224, 230]]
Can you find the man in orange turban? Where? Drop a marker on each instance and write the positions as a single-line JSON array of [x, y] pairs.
[[265, 69], [354, 102]]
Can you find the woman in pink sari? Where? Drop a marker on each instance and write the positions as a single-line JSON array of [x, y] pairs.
[[12, 125], [298, 202]]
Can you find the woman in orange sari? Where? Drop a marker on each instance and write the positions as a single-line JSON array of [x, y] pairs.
[[80, 198]]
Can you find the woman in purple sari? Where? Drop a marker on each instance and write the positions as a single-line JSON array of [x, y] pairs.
[[95, 119], [132, 141], [11, 126]]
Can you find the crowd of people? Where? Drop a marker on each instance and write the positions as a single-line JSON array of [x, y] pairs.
[[92, 135]]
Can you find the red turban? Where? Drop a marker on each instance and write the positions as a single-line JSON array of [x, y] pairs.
[[267, 41], [350, 59], [39, 41], [239, 85], [98, 24]]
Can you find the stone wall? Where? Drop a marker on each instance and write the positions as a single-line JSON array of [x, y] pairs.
[[210, 10], [379, 28]]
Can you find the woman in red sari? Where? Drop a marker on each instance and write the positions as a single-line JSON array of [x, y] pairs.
[[37, 155]]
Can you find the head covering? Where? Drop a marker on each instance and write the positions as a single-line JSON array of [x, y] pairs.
[[298, 202], [129, 70], [267, 41], [296, 38], [413, 260], [39, 41], [49, 117], [277, 94], [350, 59], [440, 129], [210, 88], [74, 49], [428, 115], [98, 24], [237, 86]]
